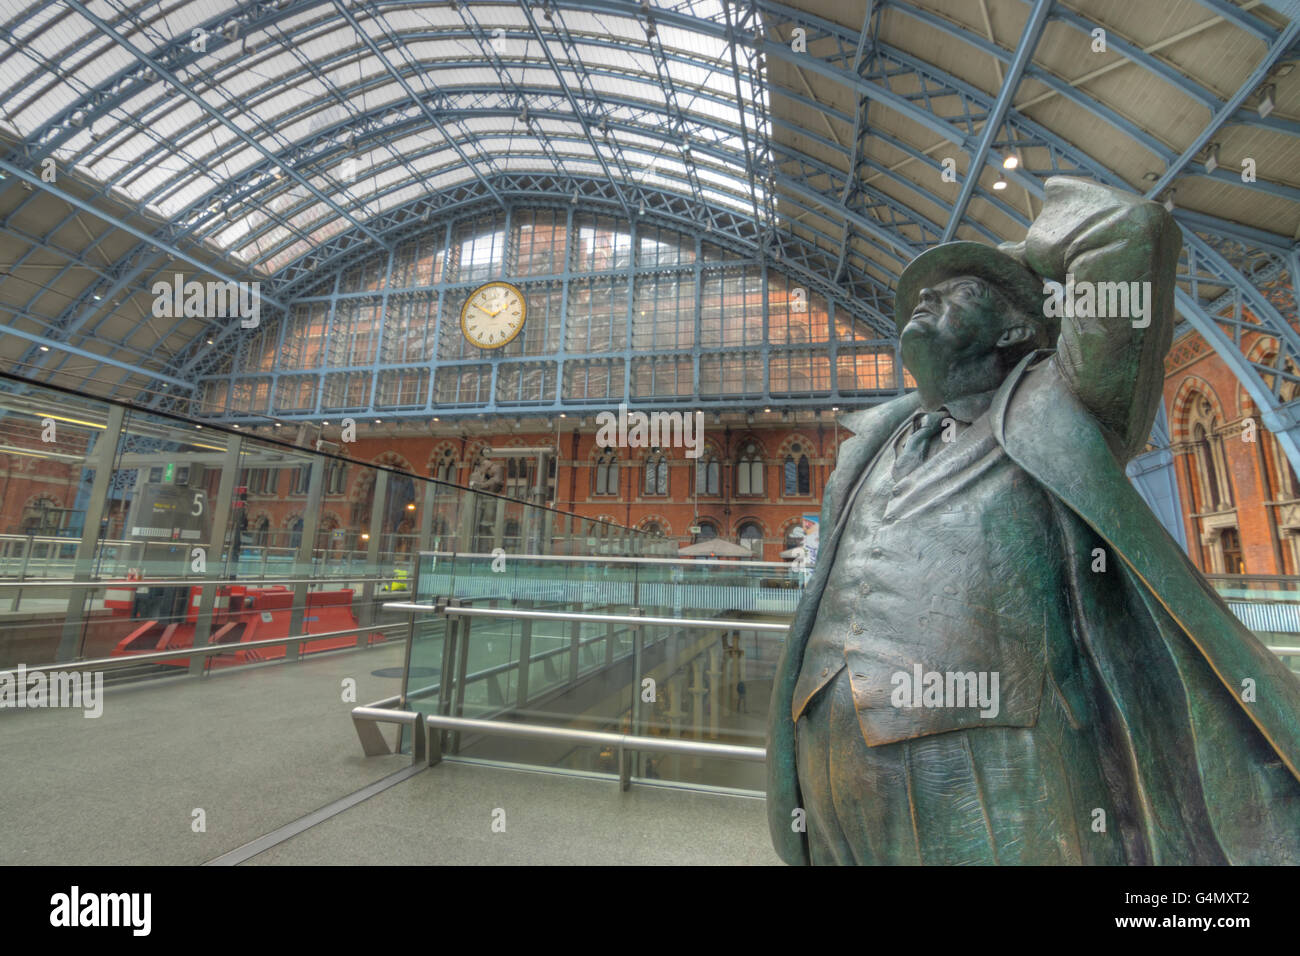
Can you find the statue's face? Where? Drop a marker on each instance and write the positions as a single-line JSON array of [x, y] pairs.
[[957, 317]]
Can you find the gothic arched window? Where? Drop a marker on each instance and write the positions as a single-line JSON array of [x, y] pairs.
[[751, 536], [656, 474], [796, 473], [749, 471], [707, 475], [1230, 541], [606, 473], [336, 478]]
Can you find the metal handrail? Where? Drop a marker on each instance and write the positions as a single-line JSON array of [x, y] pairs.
[[700, 622], [436, 723], [626, 741], [95, 585], [612, 559], [207, 650]]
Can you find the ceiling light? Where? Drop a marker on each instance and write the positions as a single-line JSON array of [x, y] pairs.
[[1212, 158], [1150, 176], [1266, 101], [1010, 161], [210, 342], [1001, 184], [45, 348]]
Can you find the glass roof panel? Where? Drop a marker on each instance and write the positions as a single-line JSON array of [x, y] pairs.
[[287, 83]]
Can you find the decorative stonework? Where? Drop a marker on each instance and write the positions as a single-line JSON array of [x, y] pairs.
[[1193, 388], [806, 447], [665, 526]]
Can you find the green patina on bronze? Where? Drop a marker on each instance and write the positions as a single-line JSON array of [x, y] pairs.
[[1140, 721]]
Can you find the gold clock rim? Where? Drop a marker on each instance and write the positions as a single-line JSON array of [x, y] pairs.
[[523, 313]]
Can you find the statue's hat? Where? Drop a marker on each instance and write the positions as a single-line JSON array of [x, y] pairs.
[[1015, 281]]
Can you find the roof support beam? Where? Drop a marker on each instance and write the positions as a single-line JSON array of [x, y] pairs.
[[216, 114], [12, 170], [1015, 70], [1238, 18], [578, 114], [1221, 115], [424, 107], [82, 353]]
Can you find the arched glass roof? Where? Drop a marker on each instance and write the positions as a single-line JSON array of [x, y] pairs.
[[277, 140], [340, 112]]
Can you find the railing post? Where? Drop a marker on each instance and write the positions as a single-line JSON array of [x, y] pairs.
[[101, 459], [575, 648], [377, 507], [446, 676], [216, 548], [22, 571], [525, 662], [638, 645], [303, 559], [462, 668]]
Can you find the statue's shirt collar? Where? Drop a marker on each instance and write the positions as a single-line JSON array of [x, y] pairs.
[[969, 407]]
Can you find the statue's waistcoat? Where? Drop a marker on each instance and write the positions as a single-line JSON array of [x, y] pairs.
[[955, 569]]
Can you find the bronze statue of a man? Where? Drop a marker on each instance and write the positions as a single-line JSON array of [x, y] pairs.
[[1002, 657], [487, 473]]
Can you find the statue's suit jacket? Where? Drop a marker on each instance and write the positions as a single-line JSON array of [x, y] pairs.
[[1207, 718]]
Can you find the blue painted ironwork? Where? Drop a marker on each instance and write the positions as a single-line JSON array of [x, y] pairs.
[[993, 122]]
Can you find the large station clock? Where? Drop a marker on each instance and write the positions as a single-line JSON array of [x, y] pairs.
[[493, 315]]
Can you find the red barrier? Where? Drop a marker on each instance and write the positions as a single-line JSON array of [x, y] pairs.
[[248, 614]]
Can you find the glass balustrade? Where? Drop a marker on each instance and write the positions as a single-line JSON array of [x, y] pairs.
[[681, 678], [125, 532]]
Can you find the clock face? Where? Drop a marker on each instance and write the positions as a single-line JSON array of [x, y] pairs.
[[493, 315]]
